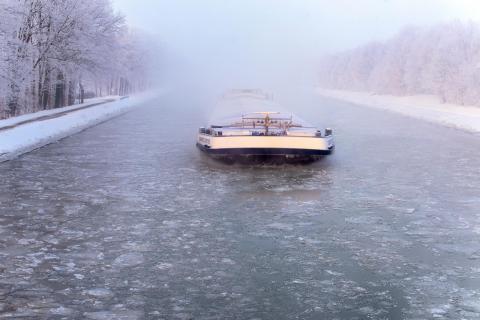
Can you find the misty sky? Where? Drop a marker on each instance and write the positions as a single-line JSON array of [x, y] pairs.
[[253, 39]]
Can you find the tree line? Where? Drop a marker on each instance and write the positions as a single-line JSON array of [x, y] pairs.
[[55, 53], [443, 60]]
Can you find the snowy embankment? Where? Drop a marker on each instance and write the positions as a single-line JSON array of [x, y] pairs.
[[22, 134], [29, 116], [424, 107]]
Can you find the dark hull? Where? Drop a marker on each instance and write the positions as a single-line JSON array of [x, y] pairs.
[[265, 155]]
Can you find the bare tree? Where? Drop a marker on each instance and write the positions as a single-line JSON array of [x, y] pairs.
[[52, 51], [443, 60]]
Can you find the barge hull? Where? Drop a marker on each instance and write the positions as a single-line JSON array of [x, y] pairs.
[[265, 155]]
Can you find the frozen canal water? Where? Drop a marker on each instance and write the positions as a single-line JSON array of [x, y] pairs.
[[128, 221]]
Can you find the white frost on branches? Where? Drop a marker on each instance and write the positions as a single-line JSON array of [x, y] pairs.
[[443, 60], [54, 52]]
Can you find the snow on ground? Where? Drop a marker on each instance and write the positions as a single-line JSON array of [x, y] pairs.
[[27, 137], [29, 116], [425, 107]]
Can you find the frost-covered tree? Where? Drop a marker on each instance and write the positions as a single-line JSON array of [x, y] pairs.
[[14, 71], [443, 60], [53, 52]]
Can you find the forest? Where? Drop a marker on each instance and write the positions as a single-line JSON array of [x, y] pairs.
[[443, 60], [55, 53]]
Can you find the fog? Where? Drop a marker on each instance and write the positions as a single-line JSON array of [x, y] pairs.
[[271, 44]]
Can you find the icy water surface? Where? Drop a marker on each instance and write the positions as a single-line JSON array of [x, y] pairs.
[[128, 221]]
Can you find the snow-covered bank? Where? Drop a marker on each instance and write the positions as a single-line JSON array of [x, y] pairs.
[[26, 117], [27, 137], [424, 107]]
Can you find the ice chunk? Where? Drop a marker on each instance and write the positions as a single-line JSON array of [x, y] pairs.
[[164, 266], [128, 260], [114, 315], [62, 311], [100, 292], [280, 226]]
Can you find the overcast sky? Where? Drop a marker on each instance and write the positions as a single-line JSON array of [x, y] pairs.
[[258, 37]]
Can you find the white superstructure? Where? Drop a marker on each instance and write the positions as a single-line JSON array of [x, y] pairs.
[[262, 135]]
